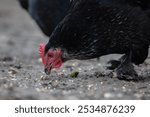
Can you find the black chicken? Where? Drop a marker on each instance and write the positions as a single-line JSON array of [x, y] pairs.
[[47, 13], [93, 28]]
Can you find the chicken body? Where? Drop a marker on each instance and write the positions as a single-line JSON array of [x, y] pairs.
[[93, 28]]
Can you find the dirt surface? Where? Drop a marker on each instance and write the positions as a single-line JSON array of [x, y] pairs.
[[22, 76]]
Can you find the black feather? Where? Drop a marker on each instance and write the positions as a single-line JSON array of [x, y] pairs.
[[94, 28]]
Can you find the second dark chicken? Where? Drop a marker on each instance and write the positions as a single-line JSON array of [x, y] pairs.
[[46, 13]]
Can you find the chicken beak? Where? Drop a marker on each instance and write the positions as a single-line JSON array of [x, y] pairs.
[[48, 70]]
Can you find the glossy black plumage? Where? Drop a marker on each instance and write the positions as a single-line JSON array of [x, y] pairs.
[[94, 28], [47, 13], [144, 4]]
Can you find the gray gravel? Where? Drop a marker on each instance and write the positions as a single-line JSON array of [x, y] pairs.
[[22, 76]]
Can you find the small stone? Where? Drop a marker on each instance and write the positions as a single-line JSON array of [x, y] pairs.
[[109, 95], [13, 71], [54, 83], [44, 78]]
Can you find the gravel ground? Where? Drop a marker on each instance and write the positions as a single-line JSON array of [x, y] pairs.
[[22, 76]]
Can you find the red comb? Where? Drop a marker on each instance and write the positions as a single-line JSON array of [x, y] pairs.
[[41, 52]]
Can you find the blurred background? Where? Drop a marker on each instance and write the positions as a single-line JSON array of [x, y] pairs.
[[19, 35]]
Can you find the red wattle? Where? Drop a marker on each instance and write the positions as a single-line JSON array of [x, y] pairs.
[[58, 63]]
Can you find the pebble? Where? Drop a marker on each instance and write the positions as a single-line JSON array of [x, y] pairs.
[[13, 71], [55, 83], [44, 78], [109, 95]]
